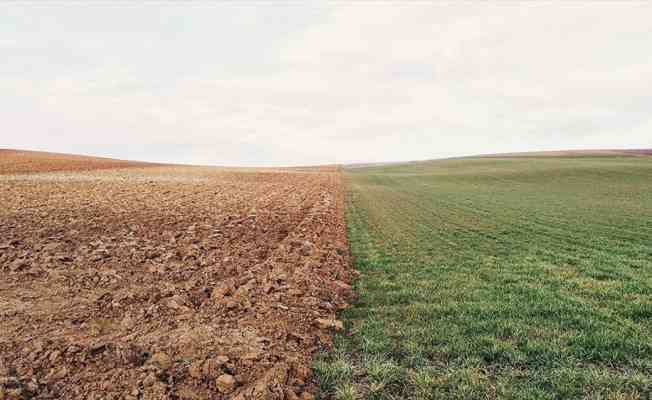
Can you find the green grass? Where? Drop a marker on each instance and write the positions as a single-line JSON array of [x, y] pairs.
[[512, 278]]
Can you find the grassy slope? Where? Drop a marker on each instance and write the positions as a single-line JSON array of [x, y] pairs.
[[499, 278]]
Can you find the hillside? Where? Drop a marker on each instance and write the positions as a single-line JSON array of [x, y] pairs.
[[29, 162]]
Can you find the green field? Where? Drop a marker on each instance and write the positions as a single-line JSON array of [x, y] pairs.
[[482, 278]]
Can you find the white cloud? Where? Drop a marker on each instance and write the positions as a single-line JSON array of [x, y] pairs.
[[306, 84]]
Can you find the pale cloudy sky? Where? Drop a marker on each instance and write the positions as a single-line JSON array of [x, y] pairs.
[[306, 83]]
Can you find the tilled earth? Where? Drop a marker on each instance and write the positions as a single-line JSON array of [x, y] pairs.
[[168, 282]]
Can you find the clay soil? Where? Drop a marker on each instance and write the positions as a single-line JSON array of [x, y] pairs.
[[166, 282]]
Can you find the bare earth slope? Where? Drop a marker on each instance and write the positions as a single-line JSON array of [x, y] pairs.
[[167, 282], [26, 162]]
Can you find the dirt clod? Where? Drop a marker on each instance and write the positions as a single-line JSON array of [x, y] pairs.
[[307, 396], [330, 324], [225, 383], [161, 360]]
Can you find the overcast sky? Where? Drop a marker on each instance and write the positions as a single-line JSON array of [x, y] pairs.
[[310, 83]]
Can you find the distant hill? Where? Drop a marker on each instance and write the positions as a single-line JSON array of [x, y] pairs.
[[644, 152], [575, 153], [554, 153], [25, 161]]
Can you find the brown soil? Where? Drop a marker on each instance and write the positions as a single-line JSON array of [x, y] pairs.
[[25, 162], [168, 282]]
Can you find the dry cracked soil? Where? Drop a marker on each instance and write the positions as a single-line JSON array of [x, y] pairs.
[[124, 280]]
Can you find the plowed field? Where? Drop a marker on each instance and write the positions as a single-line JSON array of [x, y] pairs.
[[157, 282], [27, 162]]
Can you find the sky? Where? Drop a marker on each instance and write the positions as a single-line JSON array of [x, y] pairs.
[[305, 83]]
